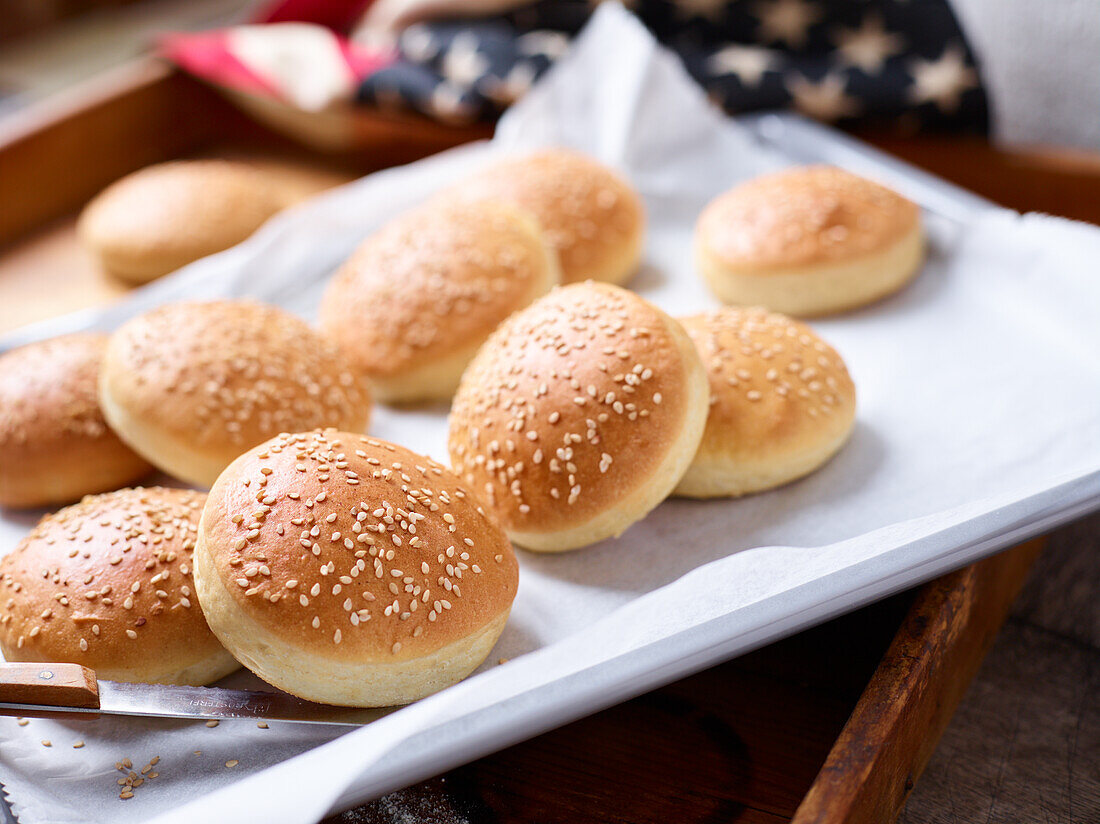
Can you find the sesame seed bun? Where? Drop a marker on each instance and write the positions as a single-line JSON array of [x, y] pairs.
[[589, 215], [808, 241], [193, 385], [107, 583], [55, 443], [782, 402], [578, 416], [414, 303], [162, 217], [350, 571]]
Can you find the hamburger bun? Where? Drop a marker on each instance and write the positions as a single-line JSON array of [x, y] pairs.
[[190, 386], [106, 583], [590, 216], [782, 402], [413, 304], [578, 416], [163, 217], [808, 241], [350, 571], [55, 442]]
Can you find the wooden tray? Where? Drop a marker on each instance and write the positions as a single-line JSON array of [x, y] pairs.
[[832, 725]]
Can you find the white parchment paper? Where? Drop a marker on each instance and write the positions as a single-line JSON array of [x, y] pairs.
[[978, 425]]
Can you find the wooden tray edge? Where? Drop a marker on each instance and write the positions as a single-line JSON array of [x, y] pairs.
[[909, 701], [56, 155]]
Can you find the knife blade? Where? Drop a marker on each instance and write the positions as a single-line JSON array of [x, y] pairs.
[[70, 690]]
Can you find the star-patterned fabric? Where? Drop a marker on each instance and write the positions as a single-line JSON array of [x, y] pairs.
[[898, 62]]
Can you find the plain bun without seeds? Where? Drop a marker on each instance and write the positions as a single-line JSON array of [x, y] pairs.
[[351, 571]]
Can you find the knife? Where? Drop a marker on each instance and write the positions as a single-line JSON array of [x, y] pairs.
[[73, 691]]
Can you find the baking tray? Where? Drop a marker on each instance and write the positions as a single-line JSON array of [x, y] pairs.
[[934, 653], [590, 688]]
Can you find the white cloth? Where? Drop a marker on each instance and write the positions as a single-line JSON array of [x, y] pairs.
[[1040, 64]]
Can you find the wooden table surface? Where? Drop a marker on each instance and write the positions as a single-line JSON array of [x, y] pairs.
[[1024, 745]]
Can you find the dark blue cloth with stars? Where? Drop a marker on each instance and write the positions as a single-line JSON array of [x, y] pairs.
[[900, 63]]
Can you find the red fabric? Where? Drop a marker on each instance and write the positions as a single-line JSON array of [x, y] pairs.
[[364, 62], [338, 15], [207, 55]]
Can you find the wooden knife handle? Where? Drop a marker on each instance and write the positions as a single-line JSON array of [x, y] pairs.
[[51, 685]]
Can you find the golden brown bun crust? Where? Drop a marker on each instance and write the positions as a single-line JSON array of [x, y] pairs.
[[162, 217], [432, 281], [782, 402], [107, 583], [55, 443], [193, 385], [592, 217], [355, 550], [573, 404], [803, 216]]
